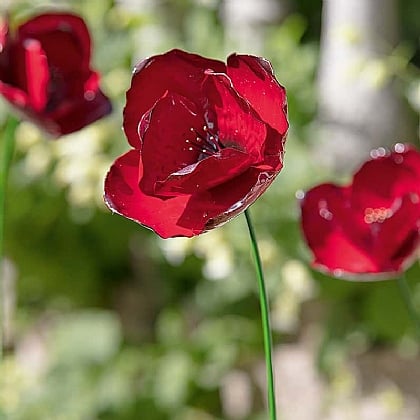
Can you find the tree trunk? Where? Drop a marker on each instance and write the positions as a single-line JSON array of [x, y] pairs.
[[359, 107], [244, 22]]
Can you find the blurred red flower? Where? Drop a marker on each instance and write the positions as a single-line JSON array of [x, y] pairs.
[[208, 140], [370, 227], [45, 73]]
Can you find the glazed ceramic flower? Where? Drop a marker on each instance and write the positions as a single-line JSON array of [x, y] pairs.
[[370, 227], [207, 137], [45, 73]]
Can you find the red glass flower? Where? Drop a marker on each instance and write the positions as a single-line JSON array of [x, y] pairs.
[[45, 73], [370, 227], [208, 140]]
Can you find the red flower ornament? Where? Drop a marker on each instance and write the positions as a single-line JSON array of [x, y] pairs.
[[45, 73], [370, 227], [207, 137]]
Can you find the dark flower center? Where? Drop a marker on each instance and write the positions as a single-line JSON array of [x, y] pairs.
[[206, 142], [56, 89]]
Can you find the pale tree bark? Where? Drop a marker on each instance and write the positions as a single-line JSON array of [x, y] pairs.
[[5, 6], [244, 22], [359, 106]]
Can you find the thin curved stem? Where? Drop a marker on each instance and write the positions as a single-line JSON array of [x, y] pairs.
[[7, 149], [265, 318], [406, 295]]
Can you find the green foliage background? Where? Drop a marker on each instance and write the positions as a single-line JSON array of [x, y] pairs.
[[122, 322]]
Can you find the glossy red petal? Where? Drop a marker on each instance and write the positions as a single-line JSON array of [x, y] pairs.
[[123, 196], [77, 113], [175, 71], [327, 227], [4, 46], [8, 66], [398, 236], [63, 36], [187, 162], [236, 195], [208, 173], [237, 124], [409, 156], [182, 215], [4, 33], [37, 74], [253, 79], [166, 147], [380, 180]]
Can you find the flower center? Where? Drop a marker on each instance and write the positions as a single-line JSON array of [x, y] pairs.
[[56, 89], [377, 215], [206, 142]]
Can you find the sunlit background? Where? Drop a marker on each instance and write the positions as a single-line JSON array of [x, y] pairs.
[[107, 321]]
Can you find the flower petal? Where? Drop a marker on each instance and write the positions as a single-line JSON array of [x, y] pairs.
[[4, 33], [237, 125], [186, 164], [379, 181], [182, 215], [64, 38], [4, 48], [236, 195], [75, 114], [208, 173], [409, 156], [123, 196], [399, 236], [37, 74], [175, 71], [254, 80], [166, 148], [326, 224]]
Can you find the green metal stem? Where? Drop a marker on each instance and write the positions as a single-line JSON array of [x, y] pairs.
[[265, 318]]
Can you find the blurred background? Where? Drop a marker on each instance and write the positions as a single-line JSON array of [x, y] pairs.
[[106, 321]]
